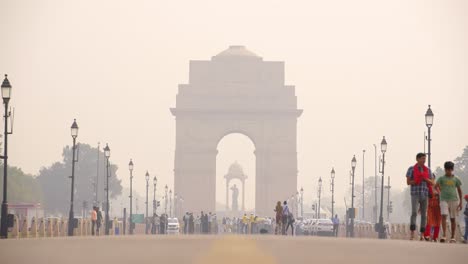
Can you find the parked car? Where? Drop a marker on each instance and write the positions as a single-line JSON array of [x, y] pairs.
[[308, 226], [173, 226], [323, 227]]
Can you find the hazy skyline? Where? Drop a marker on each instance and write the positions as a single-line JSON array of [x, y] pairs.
[[362, 70]]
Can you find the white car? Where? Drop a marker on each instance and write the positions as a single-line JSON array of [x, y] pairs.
[[323, 227], [173, 226]]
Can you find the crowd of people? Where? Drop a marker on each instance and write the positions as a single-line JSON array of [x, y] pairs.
[[436, 200]]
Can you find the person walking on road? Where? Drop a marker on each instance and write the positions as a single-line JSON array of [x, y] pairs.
[[420, 178], [98, 220], [279, 217], [291, 221], [434, 217], [465, 237], [336, 225], [285, 217], [450, 203], [93, 221]]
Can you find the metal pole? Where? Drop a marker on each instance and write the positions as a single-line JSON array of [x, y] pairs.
[[97, 177], [4, 223], [333, 197], [375, 185], [352, 207], [131, 200], [146, 222], [302, 204], [381, 225], [388, 199], [107, 198], [429, 147], [363, 185], [71, 214]]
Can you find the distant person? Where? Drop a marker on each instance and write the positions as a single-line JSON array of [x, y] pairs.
[[186, 222], [434, 217], [191, 224], [98, 221], [93, 221], [450, 202], [245, 224], [291, 221], [465, 237], [279, 217], [336, 225], [419, 177], [285, 217]]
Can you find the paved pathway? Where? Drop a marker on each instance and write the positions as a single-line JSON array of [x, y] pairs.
[[226, 250]]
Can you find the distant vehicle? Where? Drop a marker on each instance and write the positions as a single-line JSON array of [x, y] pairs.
[[308, 226], [173, 226], [323, 227]]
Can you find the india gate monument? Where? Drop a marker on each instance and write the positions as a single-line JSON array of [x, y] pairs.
[[236, 92]]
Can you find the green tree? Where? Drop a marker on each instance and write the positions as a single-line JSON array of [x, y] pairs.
[[22, 188], [56, 183]]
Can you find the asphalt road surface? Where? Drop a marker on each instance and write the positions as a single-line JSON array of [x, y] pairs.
[[227, 250]]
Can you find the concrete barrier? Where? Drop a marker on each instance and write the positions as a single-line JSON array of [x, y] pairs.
[[15, 229], [24, 229], [33, 230]]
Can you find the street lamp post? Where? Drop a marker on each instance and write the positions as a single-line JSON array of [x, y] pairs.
[[74, 134], [165, 200], [302, 202], [383, 148], [170, 203], [333, 191], [297, 204], [388, 198], [107, 155], [376, 180], [6, 95], [353, 211], [319, 195], [155, 206], [130, 167], [363, 184], [429, 122], [146, 203]]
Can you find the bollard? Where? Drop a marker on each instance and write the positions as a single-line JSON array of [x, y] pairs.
[[49, 228], [33, 232], [56, 227], [41, 228], [79, 229], [15, 230], [85, 227], [24, 229], [64, 227]]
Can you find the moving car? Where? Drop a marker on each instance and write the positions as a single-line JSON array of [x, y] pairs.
[[173, 226], [323, 227]]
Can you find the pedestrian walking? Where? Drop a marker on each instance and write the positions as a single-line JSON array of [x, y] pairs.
[[450, 202], [420, 178], [465, 237], [279, 217], [98, 221], [336, 225], [291, 221], [434, 217], [93, 221], [285, 217]]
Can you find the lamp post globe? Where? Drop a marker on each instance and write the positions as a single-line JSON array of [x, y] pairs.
[[107, 151], [429, 117], [6, 89]]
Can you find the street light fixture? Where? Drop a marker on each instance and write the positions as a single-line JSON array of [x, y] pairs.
[[429, 122], [107, 155], [71, 217], [352, 212], [130, 168], [381, 228], [332, 186], [147, 217], [319, 195], [6, 95]]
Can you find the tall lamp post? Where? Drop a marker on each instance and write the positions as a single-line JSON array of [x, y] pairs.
[[383, 148], [71, 217], [6, 95], [130, 168], [352, 210], [302, 202], [429, 122], [363, 184], [107, 155], [332, 187], [319, 195], [155, 206], [297, 204], [165, 199], [388, 187], [146, 203], [170, 203]]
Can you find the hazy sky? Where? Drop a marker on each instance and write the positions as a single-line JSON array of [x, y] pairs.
[[362, 69]]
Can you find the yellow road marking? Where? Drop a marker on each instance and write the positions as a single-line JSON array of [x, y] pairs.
[[235, 250]]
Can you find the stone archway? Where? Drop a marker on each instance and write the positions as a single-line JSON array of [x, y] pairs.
[[235, 92]]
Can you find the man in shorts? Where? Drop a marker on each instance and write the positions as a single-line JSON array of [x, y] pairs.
[[450, 202]]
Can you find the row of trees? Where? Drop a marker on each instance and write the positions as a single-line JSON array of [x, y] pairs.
[[51, 187]]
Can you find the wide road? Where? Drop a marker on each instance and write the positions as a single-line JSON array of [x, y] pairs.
[[226, 250]]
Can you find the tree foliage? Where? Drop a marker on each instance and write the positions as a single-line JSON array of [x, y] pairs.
[[22, 188], [56, 183]]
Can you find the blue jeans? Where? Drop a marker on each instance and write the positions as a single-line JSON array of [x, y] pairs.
[[466, 229]]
